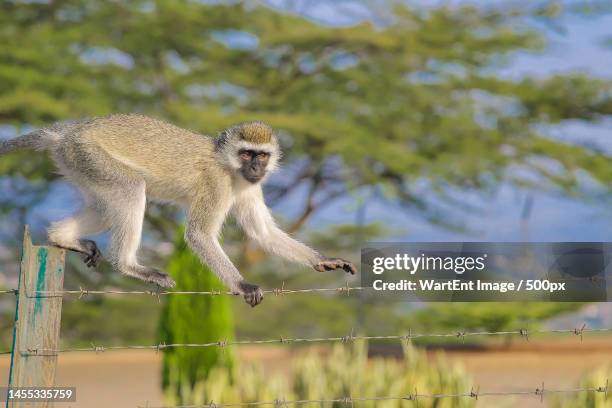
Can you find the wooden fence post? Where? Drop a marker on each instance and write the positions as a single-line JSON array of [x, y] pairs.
[[37, 319]]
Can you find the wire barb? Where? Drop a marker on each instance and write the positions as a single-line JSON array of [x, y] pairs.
[[578, 332], [280, 402], [97, 349], [604, 389], [348, 339], [82, 292], [540, 392], [346, 288], [279, 291], [410, 397], [408, 337]]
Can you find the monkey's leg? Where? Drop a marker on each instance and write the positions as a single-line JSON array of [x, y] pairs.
[[67, 233], [125, 209]]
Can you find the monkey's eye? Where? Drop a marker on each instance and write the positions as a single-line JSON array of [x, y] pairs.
[[245, 156], [262, 155]]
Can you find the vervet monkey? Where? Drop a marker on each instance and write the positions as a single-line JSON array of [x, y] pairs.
[[121, 161]]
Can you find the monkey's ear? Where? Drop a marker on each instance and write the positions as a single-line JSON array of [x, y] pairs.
[[221, 138]]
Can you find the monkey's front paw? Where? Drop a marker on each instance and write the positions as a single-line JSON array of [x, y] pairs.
[[160, 278], [330, 264], [253, 294], [92, 253]]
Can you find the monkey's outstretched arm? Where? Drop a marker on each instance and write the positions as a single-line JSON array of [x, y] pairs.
[[201, 235], [255, 218]]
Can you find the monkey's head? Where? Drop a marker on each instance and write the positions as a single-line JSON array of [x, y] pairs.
[[250, 149]]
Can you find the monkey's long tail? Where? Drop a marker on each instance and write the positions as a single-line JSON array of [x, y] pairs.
[[32, 140]]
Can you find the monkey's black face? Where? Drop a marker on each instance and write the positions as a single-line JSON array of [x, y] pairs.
[[254, 164]]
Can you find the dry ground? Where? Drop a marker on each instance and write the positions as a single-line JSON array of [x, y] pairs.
[[131, 379]]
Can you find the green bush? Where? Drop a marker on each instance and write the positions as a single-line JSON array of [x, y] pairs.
[[345, 371], [193, 319]]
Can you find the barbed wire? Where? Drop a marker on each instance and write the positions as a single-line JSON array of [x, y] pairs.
[[539, 391], [82, 292], [523, 333]]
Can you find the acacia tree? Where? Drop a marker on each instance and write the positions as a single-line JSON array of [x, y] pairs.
[[411, 100], [408, 102]]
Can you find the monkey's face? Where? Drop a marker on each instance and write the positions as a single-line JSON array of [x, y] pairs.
[[254, 164], [250, 150]]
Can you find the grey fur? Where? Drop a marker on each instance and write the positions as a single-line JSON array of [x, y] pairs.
[[41, 139], [27, 141], [121, 161]]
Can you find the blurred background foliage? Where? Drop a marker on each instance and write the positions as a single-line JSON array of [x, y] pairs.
[[403, 105], [343, 371]]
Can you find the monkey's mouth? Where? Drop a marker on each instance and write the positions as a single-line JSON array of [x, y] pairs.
[[253, 177]]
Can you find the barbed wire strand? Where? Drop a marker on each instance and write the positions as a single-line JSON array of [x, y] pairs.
[[276, 291], [280, 402], [82, 292], [524, 333]]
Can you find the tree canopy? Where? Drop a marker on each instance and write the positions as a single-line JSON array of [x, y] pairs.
[[411, 99]]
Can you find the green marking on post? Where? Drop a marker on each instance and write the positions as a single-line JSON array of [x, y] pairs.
[[38, 317], [40, 279]]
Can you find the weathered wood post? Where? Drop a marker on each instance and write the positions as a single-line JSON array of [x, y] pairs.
[[37, 319]]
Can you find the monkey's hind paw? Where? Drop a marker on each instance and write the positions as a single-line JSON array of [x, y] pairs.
[[253, 294], [92, 253], [330, 264]]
